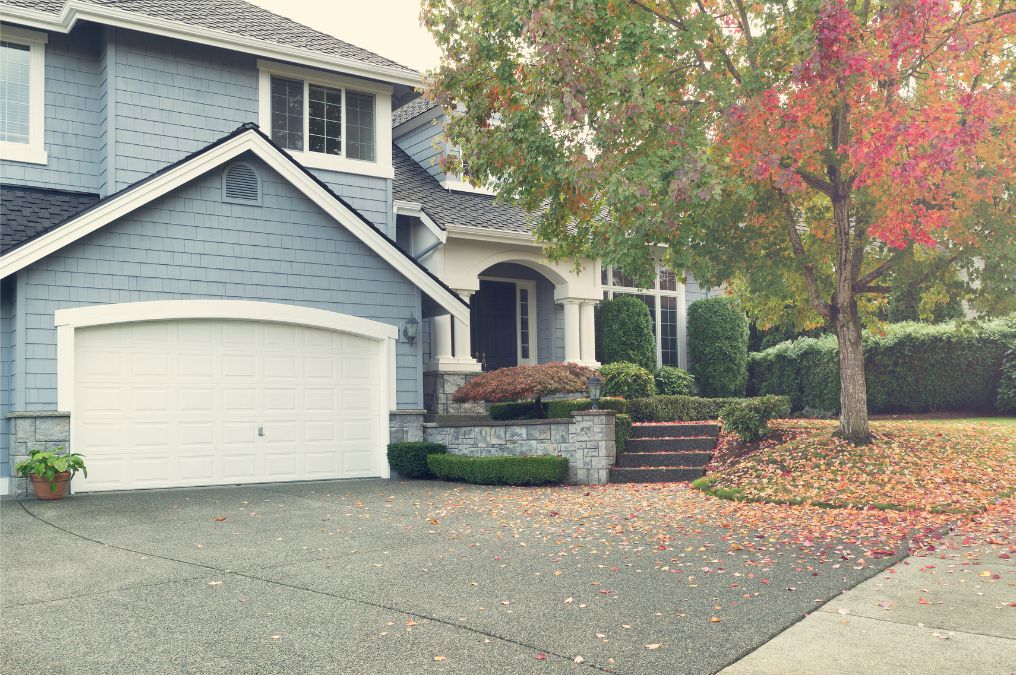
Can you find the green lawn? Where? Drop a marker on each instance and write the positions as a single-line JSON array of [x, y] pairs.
[[999, 421]]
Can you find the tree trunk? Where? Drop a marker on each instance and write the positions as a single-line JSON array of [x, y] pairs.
[[853, 387]]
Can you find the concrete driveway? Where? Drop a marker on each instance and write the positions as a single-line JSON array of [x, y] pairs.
[[378, 577]]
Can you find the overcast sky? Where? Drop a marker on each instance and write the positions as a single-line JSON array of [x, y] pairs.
[[390, 28]]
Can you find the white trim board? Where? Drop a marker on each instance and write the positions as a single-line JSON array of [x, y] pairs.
[[248, 141], [76, 10]]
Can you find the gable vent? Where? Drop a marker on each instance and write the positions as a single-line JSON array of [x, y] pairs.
[[241, 185]]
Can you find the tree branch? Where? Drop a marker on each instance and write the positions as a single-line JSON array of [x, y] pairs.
[[731, 68], [875, 289], [875, 274], [746, 29], [807, 268], [815, 182]]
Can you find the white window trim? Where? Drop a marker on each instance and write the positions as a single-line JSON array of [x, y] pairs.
[[67, 321], [612, 291], [33, 152], [381, 167], [530, 286], [458, 181]]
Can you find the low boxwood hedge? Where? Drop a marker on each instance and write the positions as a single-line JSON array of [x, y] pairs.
[[409, 458], [527, 410], [677, 408], [508, 470]]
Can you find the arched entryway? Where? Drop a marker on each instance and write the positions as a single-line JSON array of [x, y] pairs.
[[514, 318]]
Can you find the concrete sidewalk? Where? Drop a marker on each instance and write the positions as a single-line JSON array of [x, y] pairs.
[[953, 614]]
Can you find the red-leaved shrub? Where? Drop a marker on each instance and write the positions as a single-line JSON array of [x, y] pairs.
[[521, 383]]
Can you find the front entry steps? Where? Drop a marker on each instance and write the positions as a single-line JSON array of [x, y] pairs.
[[657, 453]]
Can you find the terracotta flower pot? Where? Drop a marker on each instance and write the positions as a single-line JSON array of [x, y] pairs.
[[43, 491]]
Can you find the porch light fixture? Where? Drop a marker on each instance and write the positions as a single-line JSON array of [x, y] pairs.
[[594, 391], [410, 329]]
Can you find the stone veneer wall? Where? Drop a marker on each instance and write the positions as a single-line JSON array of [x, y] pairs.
[[438, 389], [586, 440], [37, 430], [406, 425]]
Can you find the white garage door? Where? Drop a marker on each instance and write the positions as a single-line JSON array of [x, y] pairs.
[[212, 401]]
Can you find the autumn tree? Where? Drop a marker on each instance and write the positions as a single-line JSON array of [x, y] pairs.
[[521, 383], [804, 152]]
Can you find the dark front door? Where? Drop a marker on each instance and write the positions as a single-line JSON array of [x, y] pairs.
[[492, 323]]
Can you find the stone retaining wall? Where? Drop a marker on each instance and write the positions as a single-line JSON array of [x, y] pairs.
[[406, 425], [586, 440]]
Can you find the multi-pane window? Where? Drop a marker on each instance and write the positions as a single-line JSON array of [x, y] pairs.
[[360, 108], [325, 115], [15, 88], [326, 120], [662, 301], [287, 113]]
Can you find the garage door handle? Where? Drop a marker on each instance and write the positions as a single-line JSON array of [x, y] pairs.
[[261, 431]]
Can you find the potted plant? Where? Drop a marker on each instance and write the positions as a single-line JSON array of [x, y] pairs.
[[50, 472]]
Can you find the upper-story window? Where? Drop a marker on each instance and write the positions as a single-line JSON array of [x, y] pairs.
[[22, 95], [327, 121]]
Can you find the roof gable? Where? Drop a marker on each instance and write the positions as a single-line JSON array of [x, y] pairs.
[[247, 138]]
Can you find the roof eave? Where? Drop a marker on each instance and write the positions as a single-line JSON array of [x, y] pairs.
[[74, 11]]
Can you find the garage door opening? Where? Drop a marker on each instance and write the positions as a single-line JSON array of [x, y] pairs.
[[213, 400]]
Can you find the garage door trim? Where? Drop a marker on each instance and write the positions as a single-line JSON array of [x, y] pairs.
[[68, 320]]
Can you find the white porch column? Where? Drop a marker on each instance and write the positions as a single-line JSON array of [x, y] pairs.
[[587, 334], [463, 340], [572, 338], [442, 337]]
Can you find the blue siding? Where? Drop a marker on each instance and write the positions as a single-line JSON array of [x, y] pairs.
[[424, 144], [173, 99], [7, 327], [190, 244], [72, 119]]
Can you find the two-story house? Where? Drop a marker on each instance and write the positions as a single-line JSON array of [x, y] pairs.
[[228, 252]]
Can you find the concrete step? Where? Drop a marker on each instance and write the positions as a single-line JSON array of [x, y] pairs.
[[674, 474], [676, 430], [670, 444], [663, 459]]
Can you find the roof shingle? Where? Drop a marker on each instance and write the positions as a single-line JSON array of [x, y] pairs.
[[27, 212], [414, 108], [448, 207]]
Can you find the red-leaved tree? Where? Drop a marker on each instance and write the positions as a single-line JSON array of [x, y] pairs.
[[523, 383]]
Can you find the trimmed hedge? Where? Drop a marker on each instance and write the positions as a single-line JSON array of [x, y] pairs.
[[677, 408], [624, 332], [749, 418], [409, 458], [505, 470], [565, 407], [627, 380], [671, 381], [517, 410], [622, 431], [557, 409], [718, 347], [1005, 402], [912, 367]]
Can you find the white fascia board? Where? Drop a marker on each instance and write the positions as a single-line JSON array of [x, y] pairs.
[[415, 209], [464, 232], [74, 11], [132, 199]]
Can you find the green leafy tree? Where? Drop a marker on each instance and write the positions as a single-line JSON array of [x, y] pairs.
[[799, 152]]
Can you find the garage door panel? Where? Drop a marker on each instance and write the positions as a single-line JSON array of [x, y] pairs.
[[174, 403]]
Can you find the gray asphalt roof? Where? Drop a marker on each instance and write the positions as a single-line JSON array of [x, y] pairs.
[[414, 108], [27, 212], [232, 16], [449, 207]]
